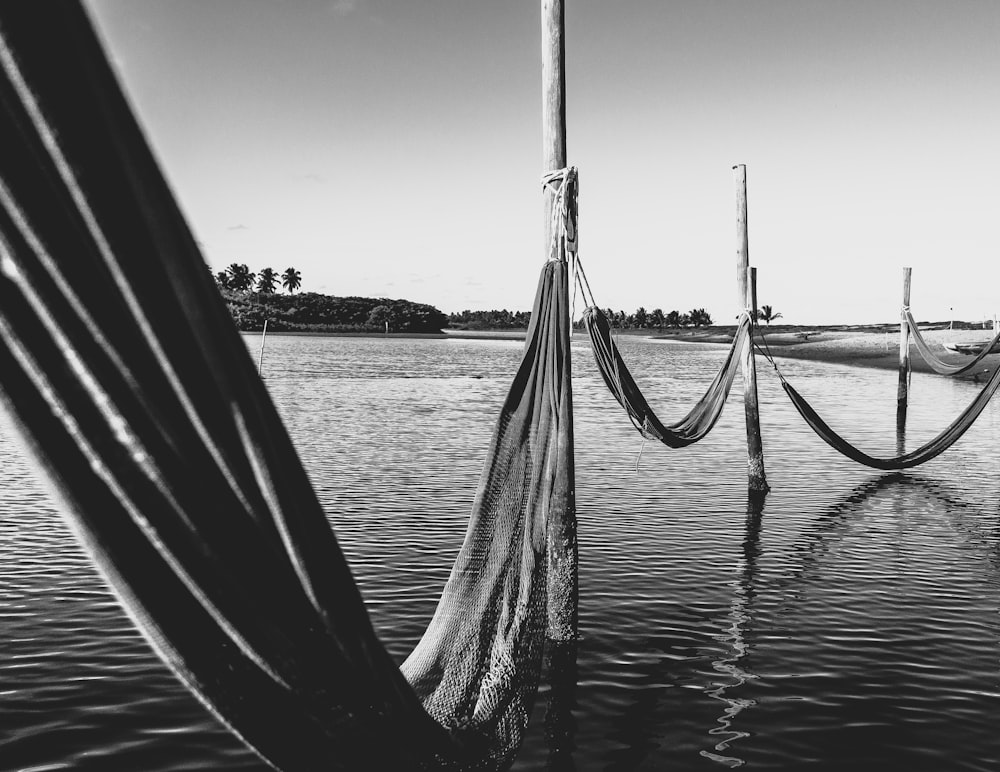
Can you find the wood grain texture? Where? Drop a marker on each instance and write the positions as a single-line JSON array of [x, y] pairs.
[[746, 293]]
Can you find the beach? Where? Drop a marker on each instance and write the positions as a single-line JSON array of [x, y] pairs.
[[864, 348]]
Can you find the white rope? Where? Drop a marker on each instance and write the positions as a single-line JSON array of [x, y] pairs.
[[563, 226], [562, 182]]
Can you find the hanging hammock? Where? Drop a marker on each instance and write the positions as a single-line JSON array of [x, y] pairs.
[[702, 417], [937, 364], [935, 447], [124, 375]]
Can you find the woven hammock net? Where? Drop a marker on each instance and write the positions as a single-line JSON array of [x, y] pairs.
[[701, 418], [937, 364], [124, 375], [935, 447]]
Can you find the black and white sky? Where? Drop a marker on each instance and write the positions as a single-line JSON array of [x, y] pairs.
[[393, 147]]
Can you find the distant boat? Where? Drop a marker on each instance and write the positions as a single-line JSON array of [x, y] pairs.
[[971, 349]]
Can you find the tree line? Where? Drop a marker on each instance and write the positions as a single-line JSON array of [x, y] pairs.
[[489, 320], [252, 299], [643, 319], [640, 319], [314, 312], [240, 278]]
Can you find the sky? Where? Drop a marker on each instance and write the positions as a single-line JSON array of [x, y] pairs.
[[392, 148]]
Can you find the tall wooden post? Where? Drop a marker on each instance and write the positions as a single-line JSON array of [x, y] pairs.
[[904, 345], [561, 526], [756, 480], [260, 359]]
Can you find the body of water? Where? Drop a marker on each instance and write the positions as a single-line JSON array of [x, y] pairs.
[[852, 622]]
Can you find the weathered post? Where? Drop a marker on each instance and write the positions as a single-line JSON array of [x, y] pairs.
[[904, 345], [756, 479], [260, 359], [561, 526]]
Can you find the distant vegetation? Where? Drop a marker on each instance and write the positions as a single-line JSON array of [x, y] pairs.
[[489, 320], [640, 319], [251, 298], [241, 279], [643, 319], [312, 312], [767, 314]]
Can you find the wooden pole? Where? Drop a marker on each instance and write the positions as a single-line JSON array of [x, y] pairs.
[[553, 100], [561, 527], [904, 344], [260, 358], [756, 479]]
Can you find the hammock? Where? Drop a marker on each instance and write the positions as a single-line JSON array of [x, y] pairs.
[[125, 377], [936, 363], [925, 453], [702, 417]]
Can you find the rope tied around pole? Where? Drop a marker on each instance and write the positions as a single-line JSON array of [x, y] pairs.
[[563, 244], [564, 186]]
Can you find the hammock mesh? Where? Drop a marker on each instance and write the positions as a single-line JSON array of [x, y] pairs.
[[124, 375], [937, 364], [702, 417], [925, 453]]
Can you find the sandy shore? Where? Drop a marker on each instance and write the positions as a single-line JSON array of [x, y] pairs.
[[870, 349], [847, 347]]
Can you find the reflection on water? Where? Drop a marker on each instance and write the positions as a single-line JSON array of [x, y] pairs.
[[901, 429], [848, 621], [741, 618], [560, 726]]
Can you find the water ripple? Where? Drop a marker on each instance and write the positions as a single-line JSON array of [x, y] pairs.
[[851, 621]]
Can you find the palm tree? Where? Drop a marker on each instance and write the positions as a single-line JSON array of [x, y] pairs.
[[640, 317], [222, 279], [240, 277], [656, 318], [673, 319], [291, 280], [700, 317], [266, 280], [767, 314]]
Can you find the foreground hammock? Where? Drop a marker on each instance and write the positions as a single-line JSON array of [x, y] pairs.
[[702, 417], [937, 364], [925, 453], [124, 374]]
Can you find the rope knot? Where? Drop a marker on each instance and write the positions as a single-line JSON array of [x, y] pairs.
[[563, 184], [566, 174]]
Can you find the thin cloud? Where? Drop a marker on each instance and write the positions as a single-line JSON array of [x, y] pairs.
[[345, 7], [240, 227], [318, 178]]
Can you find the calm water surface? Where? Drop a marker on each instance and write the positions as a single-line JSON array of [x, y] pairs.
[[852, 623]]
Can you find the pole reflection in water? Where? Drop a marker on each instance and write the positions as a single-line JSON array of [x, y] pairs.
[[560, 725], [901, 429], [734, 667]]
